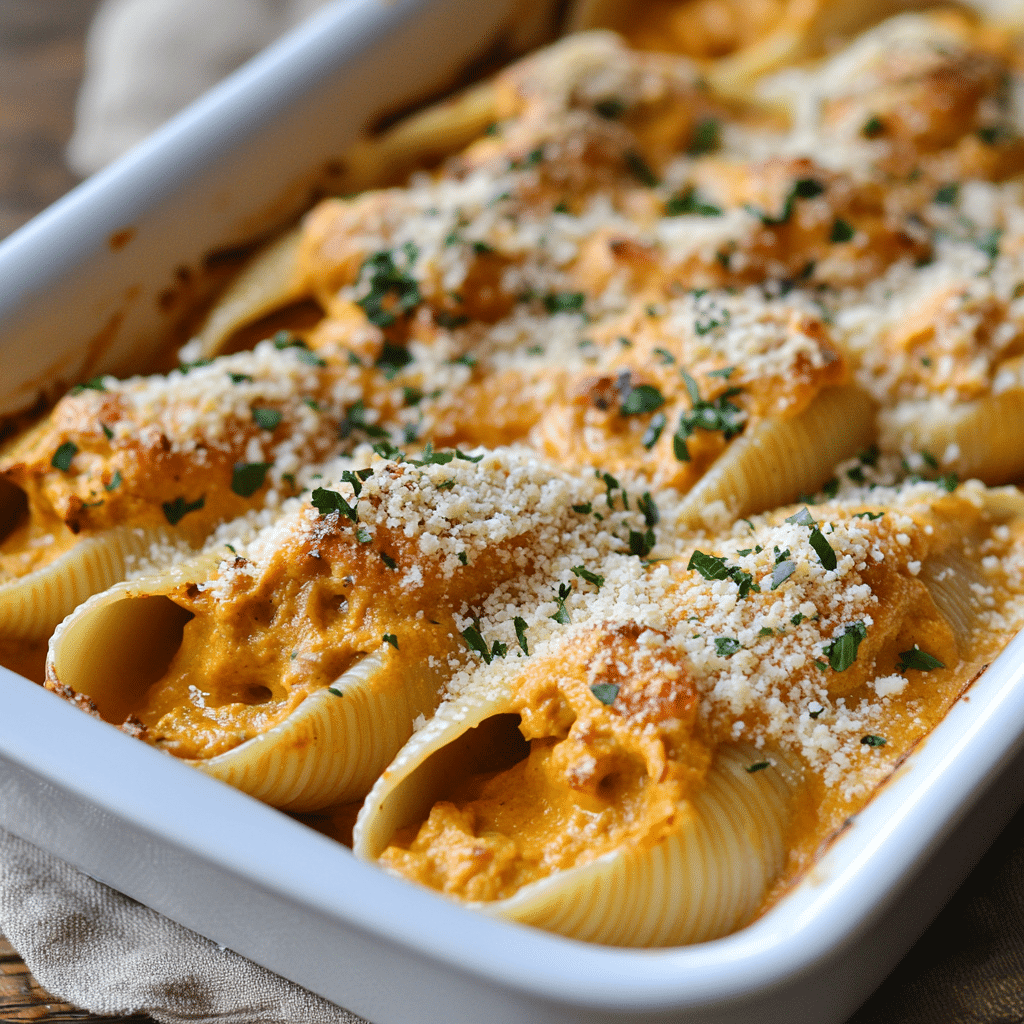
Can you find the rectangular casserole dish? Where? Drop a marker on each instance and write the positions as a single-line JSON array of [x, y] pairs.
[[87, 287]]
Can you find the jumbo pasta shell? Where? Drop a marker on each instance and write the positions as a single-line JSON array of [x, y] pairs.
[[329, 749], [983, 438], [779, 459], [32, 605], [268, 283], [704, 880]]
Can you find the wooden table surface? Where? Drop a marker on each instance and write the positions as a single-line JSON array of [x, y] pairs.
[[41, 61]]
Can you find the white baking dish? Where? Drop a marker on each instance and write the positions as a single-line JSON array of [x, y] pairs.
[[251, 878]]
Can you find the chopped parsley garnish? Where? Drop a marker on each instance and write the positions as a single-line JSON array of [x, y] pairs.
[[724, 372], [240, 378], [605, 692], [612, 108], [392, 359], [988, 243], [107, 432], [63, 455], [917, 659], [363, 535], [707, 322], [475, 642], [393, 292], [534, 157], [585, 574], [649, 509], [727, 646], [947, 195], [641, 544], [309, 358], [463, 558], [712, 567], [842, 651], [689, 202], [873, 127], [653, 431], [807, 188], [93, 384], [335, 691], [562, 616], [758, 766], [641, 399], [175, 511], [705, 137], [388, 560], [355, 419], [115, 481], [390, 638], [801, 518], [431, 458], [868, 515], [869, 456], [184, 368], [265, 418], [782, 571], [564, 302], [326, 502], [664, 356], [520, 625], [798, 618], [640, 168], [995, 134], [450, 321], [766, 631], [584, 510], [873, 741], [814, 709], [248, 477], [412, 396], [718, 414], [842, 231], [822, 548]]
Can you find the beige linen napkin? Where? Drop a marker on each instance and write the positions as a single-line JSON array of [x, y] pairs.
[[147, 59], [104, 952]]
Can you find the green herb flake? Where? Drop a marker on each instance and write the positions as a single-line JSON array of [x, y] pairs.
[[240, 378], [988, 243], [766, 631], [842, 651], [870, 516], [475, 642], [335, 691], [798, 618], [612, 108], [392, 292], [562, 616], [641, 544], [873, 741], [390, 638], [814, 709], [175, 511], [801, 518], [265, 418], [63, 455], [647, 507], [585, 574], [520, 625], [822, 548], [919, 660], [782, 571], [640, 169], [654, 431], [641, 399], [564, 302], [115, 481], [326, 502], [758, 766], [872, 128], [727, 646], [605, 692], [248, 477], [93, 384], [463, 558], [107, 432], [363, 535], [705, 137], [947, 195], [392, 359], [842, 231], [583, 510], [690, 203], [725, 372], [388, 560]]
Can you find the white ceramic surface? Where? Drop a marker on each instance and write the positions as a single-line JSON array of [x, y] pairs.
[[255, 880]]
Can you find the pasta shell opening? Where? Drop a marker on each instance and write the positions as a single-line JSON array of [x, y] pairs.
[[113, 655]]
